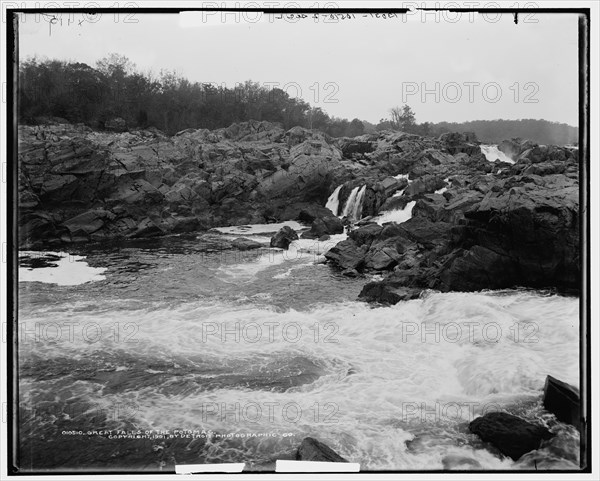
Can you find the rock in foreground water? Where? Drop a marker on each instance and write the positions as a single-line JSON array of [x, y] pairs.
[[512, 435], [313, 450], [284, 237], [563, 401]]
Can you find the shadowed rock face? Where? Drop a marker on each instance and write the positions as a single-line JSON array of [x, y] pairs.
[[284, 237], [511, 435], [313, 450], [563, 401], [79, 185]]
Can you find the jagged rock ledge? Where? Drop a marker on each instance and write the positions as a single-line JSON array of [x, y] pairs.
[[517, 226]]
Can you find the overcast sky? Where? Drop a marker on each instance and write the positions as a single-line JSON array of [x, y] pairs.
[[474, 68]]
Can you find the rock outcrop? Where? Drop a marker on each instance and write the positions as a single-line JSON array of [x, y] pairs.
[[284, 237], [472, 229]]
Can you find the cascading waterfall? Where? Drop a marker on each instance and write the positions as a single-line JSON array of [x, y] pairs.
[[492, 154], [357, 211], [353, 205], [350, 202], [333, 203]]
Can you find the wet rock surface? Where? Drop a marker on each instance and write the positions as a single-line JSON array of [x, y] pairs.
[[511, 435]]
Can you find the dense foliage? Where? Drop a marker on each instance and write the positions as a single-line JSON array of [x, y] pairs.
[[113, 89]]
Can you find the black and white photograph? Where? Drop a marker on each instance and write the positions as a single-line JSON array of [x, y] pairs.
[[342, 238]]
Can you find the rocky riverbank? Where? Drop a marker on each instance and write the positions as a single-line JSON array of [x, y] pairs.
[[491, 226], [475, 224]]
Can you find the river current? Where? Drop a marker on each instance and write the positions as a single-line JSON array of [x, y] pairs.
[[146, 354]]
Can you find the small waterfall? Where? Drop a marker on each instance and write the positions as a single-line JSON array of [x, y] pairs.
[[357, 211], [492, 154], [353, 206], [445, 188], [333, 203]]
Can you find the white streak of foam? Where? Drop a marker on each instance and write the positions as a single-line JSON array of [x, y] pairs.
[[399, 216], [254, 229], [333, 203], [492, 154], [70, 270]]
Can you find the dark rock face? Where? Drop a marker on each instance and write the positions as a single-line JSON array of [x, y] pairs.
[[247, 173], [513, 148], [347, 255], [284, 237], [328, 225], [457, 143], [312, 450], [512, 435], [387, 294], [563, 401]]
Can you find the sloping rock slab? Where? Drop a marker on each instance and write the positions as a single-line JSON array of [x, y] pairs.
[[313, 450]]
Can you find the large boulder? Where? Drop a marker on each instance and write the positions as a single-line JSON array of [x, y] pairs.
[[347, 255], [284, 237], [88, 222], [387, 293], [243, 244], [461, 142], [511, 435], [313, 211], [365, 234], [307, 177], [147, 228], [563, 401]]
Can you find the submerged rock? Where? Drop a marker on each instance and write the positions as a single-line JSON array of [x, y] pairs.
[[313, 450], [455, 461], [388, 294], [244, 244], [512, 435], [563, 401], [284, 237]]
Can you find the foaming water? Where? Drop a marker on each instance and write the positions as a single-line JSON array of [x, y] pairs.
[[57, 268], [333, 202], [258, 228], [178, 336], [398, 215], [353, 206], [492, 154]]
